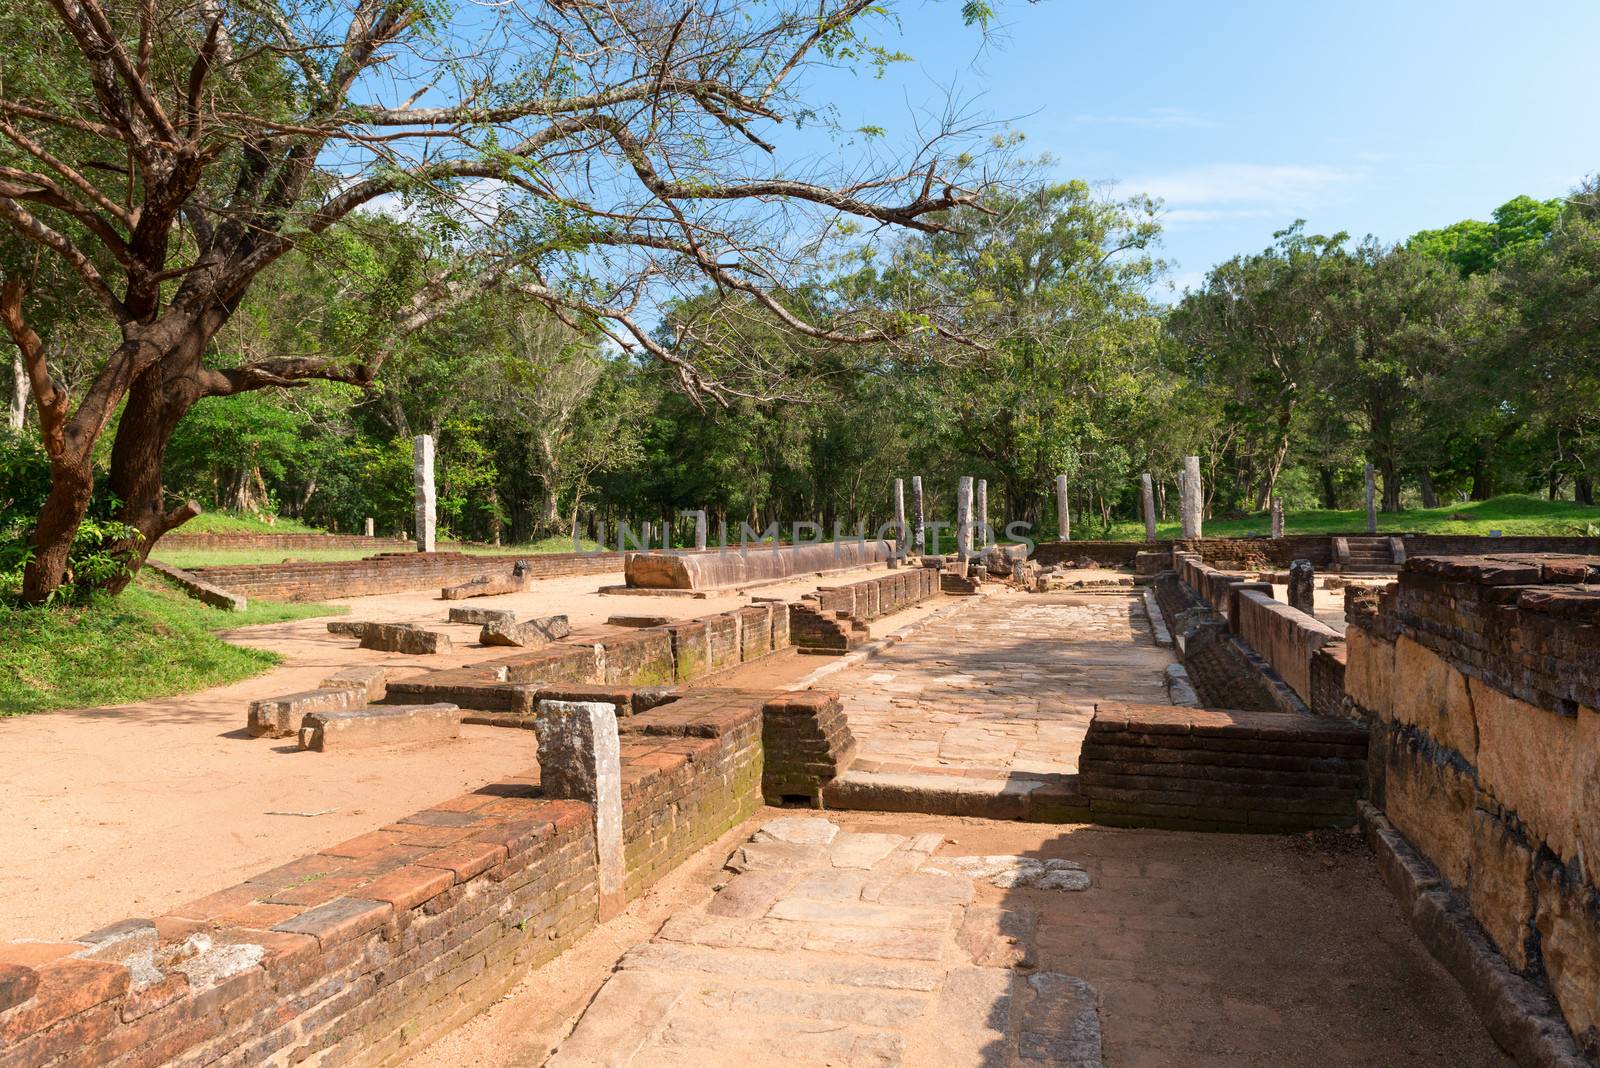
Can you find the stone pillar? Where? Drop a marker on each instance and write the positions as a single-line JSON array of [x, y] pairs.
[[964, 517], [1063, 510], [427, 516], [1277, 517], [1193, 499], [900, 539], [919, 537], [700, 529], [372, 528], [980, 514], [580, 759], [1302, 586], [1372, 501], [1147, 496]]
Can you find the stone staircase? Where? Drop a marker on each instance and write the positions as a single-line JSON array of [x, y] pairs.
[[1373, 555]]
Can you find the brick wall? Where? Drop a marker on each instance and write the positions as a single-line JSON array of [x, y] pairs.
[[393, 572], [286, 542], [1286, 638], [367, 951], [1205, 770], [1479, 679], [806, 742], [833, 619]]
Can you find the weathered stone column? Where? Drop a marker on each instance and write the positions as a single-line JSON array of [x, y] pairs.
[[427, 515], [1277, 517], [1147, 495], [371, 528], [900, 539], [980, 518], [919, 537], [1193, 499], [964, 517], [1372, 501], [1302, 587], [580, 758], [700, 529], [1063, 510]]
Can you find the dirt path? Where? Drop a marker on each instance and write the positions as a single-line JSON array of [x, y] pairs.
[[116, 812]]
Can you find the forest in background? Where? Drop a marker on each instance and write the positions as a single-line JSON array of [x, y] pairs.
[[1462, 363]]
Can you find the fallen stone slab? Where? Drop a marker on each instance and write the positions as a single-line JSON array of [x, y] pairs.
[[526, 634], [370, 679], [488, 585], [280, 717], [639, 621], [199, 588], [479, 616], [381, 725], [349, 628], [404, 638]]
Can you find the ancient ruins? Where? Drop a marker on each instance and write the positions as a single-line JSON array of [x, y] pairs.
[[967, 810]]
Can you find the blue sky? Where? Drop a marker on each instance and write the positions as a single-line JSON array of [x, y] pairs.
[[1370, 117]]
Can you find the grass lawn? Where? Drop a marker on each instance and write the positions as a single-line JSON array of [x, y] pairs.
[[150, 642], [1511, 514]]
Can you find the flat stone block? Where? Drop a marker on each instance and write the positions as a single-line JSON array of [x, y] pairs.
[[479, 616], [383, 725], [403, 638]]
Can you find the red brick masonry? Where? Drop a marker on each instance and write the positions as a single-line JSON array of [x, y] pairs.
[[364, 952], [1203, 770]]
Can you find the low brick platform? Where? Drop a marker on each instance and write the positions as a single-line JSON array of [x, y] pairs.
[[1195, 769], [834, 620], [365, 952]]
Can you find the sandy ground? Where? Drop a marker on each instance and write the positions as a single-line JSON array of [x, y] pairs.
[[112, 813], [1204, 949]]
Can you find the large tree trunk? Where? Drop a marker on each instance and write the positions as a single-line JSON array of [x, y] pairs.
[[1430, 497], [1391, 484], [157, 401], [71, 486], [1330, 489], [1583, 489]]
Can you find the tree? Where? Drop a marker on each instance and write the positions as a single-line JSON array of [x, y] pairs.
[[583, 154], [1056, 279], [1476, 247], [1399, 320], [1546, 365], [1259, 325]]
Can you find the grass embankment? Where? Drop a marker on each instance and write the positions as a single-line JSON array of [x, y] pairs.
[[1511, 514], [244, 523], [150, 642]]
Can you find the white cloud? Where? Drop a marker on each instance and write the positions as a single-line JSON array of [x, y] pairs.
[[1155, 118], [1264, 185]]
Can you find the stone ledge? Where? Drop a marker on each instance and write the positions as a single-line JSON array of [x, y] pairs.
[[1520, 1016]]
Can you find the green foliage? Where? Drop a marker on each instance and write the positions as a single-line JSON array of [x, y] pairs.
[[1476, 247], [99, 551]]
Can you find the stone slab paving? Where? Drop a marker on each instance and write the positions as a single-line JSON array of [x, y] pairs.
[[843, 949], [979, 709]]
